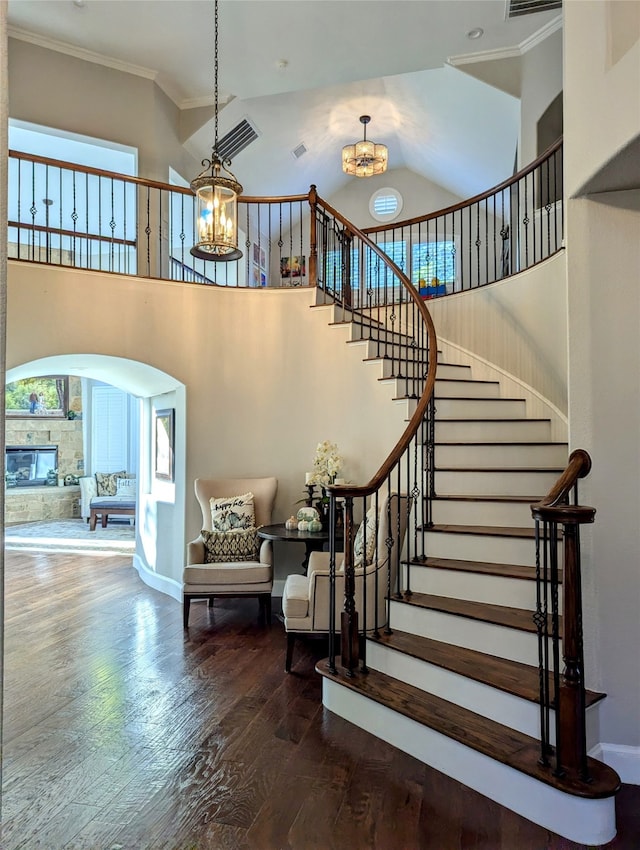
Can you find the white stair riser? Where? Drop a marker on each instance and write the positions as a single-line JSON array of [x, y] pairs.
[[509, 514], [476, 547], [491, 432], [502, 456], [445, 389], [474, 587], [378, 348], [505, 708], [390, 368], [453, 371], [477, 408], [453, 482], [463, 631], [498, 705], [466, 389], [381, 336], [578, 819]]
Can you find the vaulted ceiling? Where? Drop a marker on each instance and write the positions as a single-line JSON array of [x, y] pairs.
[[303, 71]]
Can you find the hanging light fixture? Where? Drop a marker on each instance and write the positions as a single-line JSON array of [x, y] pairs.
[[216, 191], [364, 159]]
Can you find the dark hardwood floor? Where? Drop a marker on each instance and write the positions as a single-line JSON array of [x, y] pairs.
[[120, 731]]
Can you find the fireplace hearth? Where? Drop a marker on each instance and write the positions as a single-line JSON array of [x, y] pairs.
[[27, 466]]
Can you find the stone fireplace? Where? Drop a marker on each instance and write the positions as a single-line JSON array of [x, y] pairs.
[[30, 466], [27, 437]]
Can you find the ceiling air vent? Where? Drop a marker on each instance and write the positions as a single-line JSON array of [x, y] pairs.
[[299, 151], [236, 140], [515, 8]]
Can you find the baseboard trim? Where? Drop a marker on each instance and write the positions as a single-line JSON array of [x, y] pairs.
[[625, 760], [162, 583]]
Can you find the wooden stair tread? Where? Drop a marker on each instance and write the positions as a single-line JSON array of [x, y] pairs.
[[513, 677], [506, 419], [498, 615], [467, 498], [519, 571], [501, 445], [501, 469], [464, 380], [484, 531], [498, 742], [475, 398]]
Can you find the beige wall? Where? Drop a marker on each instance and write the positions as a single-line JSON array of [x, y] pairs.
[[420, 196], [602, 114], [541, 82], [133, 110], [602, 85], [519, 325], [265, 379]]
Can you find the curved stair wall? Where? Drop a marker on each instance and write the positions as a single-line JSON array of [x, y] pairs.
[[519, 326]]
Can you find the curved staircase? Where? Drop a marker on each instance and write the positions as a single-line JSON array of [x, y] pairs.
[[455, 680]]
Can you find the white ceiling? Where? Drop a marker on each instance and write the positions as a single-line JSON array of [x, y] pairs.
[[303, 71]]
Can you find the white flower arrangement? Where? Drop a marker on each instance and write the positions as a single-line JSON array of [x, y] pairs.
[[326, 464]]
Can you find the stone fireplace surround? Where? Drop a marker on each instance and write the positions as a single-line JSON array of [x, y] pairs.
[[31, 504]]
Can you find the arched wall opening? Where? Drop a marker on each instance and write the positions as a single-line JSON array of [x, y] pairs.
[[160, 523]]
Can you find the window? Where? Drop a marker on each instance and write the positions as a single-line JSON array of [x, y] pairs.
[[421, 262], [385, 204], [431, 260], [378, 274]]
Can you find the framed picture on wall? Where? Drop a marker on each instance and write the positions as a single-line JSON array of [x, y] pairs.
[[164, 468], [293, 267]]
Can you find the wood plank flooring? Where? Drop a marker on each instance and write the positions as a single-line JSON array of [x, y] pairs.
[[121, 731]]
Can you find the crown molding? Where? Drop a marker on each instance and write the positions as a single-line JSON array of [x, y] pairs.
[[543, 33], [509, 52], [197, 102], [81, 53]]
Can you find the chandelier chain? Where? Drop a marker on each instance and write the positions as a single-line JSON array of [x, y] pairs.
[[215, 75]]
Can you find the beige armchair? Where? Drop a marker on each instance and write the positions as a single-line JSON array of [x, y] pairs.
[[203, 580], [305, 599]]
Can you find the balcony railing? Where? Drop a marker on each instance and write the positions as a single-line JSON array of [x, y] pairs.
[[79, 217]]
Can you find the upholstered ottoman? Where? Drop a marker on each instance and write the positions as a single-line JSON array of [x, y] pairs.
[[110, 505]]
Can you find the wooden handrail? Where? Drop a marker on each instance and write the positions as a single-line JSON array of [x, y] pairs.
[[383, 472], [143, 181], [483, 196], [579, 466]]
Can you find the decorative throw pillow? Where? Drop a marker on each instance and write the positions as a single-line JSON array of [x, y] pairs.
[[360, 555], [238, 545], [232, 513], [126, 487], [106, 482]]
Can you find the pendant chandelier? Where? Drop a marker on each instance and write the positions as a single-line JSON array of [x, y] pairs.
[[216, 191], [365, 158]]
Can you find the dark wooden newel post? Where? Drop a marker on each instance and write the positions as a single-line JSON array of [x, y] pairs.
[[313, 244], [572, 746], [349, 617]]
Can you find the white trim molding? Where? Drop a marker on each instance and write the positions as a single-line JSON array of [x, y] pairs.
[[625, 760], [164, 584]]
